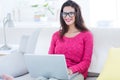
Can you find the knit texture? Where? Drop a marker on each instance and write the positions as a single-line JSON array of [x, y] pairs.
[[77, 50]]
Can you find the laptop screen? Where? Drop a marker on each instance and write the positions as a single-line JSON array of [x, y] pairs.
[[46, 65]]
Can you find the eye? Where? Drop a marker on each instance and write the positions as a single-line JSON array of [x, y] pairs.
[[71, 13], [64, 14]]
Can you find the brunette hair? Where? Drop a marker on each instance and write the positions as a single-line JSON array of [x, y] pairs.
[[79, 22]]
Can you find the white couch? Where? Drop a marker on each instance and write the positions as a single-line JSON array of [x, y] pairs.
[[104, 39]]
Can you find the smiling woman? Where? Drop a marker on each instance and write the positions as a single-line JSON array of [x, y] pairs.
[[73, 40]]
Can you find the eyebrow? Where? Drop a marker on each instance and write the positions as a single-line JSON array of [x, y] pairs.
[[68, 12]]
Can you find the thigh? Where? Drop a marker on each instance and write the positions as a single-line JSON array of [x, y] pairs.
[[75, 76], [78, 77]]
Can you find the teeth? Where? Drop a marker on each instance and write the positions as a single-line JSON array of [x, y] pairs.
[[68, 20]]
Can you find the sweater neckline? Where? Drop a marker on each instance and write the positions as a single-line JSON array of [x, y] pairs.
[[73, 36]]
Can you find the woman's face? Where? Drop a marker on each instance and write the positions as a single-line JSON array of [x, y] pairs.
[[69, 15]]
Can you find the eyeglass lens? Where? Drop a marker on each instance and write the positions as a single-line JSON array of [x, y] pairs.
[[70, 14]]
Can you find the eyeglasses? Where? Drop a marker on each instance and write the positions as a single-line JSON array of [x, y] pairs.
[[70, 14]]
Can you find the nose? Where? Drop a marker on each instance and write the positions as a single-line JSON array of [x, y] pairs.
[[67, 16]]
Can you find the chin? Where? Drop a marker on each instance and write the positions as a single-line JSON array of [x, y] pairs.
[[69, 23]]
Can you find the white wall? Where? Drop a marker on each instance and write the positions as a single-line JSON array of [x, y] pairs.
[[103, 13]]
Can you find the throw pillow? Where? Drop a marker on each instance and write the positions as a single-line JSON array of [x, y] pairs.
[[13, 64], [111, 69]]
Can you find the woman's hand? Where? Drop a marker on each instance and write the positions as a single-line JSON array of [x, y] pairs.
[[70, 72]]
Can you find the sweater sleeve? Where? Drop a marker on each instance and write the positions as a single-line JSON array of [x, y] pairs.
[[86, 60], [53, 44]]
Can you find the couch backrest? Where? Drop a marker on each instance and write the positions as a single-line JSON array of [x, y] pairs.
[[44, 39], [104, 39]]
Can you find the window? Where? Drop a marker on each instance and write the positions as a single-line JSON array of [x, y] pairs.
[[104, 13]]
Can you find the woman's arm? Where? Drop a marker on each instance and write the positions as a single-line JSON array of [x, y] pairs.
[[53, 43], [86, 60]]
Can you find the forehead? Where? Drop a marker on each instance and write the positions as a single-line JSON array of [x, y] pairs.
[[68, 9]]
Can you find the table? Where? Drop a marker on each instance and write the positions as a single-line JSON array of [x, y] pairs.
[[5, 52]]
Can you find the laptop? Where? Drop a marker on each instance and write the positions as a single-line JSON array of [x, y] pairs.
[[48, 66]]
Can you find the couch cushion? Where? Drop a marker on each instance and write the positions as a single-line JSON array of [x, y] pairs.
[[111, 69]]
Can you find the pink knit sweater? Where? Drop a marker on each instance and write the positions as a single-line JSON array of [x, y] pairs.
[[77, 50]]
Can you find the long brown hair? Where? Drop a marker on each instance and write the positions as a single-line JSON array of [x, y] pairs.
[[79, 22]]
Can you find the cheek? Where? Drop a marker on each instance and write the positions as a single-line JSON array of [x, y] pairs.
[[73, 20]]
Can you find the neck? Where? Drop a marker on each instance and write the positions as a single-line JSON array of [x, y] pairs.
[[72, 29]]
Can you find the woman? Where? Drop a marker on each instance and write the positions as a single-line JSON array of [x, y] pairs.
[[73, 40]]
